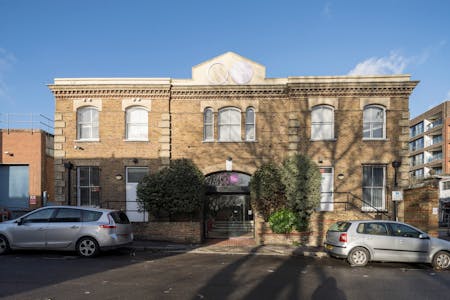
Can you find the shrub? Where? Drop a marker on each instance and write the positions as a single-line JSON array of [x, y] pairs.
[[301, 178], [266, 190], [176, 190], [283, 221]]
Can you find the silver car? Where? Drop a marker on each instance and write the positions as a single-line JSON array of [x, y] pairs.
[[375, 240], [85, 230]]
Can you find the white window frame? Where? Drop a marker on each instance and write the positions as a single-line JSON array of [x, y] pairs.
[[90, 124], [208, 125], [372, 187], [318, 125], [228, 125], [250, 126], [129, 123], [371, 123]]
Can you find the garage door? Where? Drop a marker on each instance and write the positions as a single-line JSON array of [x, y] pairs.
[[14, 187]]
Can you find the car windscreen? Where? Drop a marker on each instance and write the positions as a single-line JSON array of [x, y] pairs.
[[120, 217], [340, 226]]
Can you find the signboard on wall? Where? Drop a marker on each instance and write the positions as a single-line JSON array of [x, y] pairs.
[[397, 195], [33, 200]]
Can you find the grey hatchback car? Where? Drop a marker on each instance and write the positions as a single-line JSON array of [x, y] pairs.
[[84, 230], [376, 240]]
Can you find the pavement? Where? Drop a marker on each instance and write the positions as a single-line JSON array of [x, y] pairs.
[[241, 246], [229, 247]]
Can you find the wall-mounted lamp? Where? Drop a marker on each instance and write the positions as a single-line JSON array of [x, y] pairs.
[[320, 160], [135, 160], [9, 153], [229, 164], [78, 147], [340, 176], [119, 176], [68, 165]]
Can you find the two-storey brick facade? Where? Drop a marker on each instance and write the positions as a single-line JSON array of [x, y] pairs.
[[229, 119]]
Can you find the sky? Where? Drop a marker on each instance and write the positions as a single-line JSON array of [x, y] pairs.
[[45, 39]]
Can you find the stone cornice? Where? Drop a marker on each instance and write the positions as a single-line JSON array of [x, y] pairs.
[[228, 91], [310, 89], [360, 89], [71, 91], [303, 89]]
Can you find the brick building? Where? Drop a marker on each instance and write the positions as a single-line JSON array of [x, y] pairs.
[[229, 118], [26, 169]]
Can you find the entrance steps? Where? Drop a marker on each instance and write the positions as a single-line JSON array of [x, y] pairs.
[[225, 229]]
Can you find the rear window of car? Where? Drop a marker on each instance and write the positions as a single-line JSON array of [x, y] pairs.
[[372, 228], [120, 217], [91, 216], [340, 226]]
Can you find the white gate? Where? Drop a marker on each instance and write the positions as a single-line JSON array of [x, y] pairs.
[[326, 189], [134, 175]]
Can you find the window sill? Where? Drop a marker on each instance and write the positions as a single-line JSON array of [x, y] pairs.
[[324, 140], [227, 142], [376, 140], [87, 140], [131, 140]]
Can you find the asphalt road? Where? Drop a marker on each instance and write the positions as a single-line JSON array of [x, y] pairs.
[[147, 275]]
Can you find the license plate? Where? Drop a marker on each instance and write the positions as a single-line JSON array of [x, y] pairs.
[[328, 247]]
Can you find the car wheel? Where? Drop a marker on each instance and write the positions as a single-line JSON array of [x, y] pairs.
[[87, 247], [441, 261], [4, 245], [358, 257]]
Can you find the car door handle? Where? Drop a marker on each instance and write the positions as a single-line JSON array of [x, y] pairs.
[[41, 228], [75, 227]]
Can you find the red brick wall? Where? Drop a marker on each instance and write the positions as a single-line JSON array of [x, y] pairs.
[[418, 208], [28, 148], [316, 233], [180, 232]]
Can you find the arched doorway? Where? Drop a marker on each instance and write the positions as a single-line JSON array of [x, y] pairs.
[[228, 212]]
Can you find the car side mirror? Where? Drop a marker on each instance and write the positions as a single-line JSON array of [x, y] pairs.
[[19, 221], [423, 236]]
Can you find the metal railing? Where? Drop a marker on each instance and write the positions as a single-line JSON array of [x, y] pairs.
[[31, 121], [349, 201]]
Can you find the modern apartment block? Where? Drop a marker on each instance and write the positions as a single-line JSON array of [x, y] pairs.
[[429, 142]]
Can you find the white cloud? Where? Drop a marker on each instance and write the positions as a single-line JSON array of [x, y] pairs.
[[392, 64]]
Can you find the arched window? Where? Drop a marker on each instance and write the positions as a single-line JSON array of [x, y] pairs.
[[87, 123], [208, 124], [137, 124], [322, 123], [250, 124], [374, 122], [229, 125]]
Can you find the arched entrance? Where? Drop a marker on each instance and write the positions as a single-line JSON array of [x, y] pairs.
[[228, 212]]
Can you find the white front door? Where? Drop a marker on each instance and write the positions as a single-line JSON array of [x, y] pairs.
[[134, 212], [326, 189]]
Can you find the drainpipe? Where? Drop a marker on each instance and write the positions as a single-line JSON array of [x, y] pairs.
[[68, 166], [395, 164]]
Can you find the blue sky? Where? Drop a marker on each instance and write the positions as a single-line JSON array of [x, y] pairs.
[[47, 39]]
